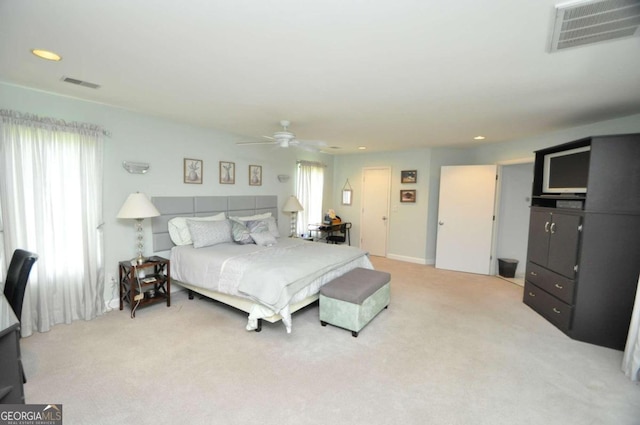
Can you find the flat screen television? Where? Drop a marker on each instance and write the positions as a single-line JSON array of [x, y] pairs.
[[566, 171]]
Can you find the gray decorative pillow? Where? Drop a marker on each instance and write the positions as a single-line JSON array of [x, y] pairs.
[[257, 226], [264, 238], [207, 233], [240, 233]]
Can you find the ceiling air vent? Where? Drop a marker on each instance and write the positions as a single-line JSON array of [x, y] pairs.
[[593, 21], [80, 82]]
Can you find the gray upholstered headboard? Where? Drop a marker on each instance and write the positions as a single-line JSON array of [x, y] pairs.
[[202, 206]]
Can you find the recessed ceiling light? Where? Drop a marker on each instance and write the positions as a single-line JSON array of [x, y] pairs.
[[46, 54], [479, 138], [362, 148]]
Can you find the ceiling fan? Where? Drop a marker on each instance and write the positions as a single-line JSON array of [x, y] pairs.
[[285, 138]]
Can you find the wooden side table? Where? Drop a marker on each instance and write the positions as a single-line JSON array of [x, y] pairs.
[[146, 283]]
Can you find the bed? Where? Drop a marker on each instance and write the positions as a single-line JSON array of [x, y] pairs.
[[269, 281]]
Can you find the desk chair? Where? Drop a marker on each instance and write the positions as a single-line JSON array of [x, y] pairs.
[[17, 278], [342, 236], [16, 283]]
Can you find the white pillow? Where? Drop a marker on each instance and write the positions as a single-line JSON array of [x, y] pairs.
[[252, 217], [179, 232], [207, 233], [273, 226], [263, 238]]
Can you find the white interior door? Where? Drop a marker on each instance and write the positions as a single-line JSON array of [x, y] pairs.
[[465, 218], [374, 215]]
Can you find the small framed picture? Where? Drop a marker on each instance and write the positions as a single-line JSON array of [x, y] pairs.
[[255, 175], [407, 196], [408, 176], [193, 171], [227, 172]]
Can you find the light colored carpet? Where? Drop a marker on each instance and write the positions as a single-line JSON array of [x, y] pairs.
[[452, 348]]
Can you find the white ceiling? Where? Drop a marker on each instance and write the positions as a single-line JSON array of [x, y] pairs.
[[386, 74]]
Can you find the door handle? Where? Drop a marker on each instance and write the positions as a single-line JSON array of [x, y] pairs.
[[384, 218], [546, 227], [553, 228], [441, 223]]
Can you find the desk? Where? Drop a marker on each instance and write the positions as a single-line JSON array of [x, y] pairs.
[[11, 374], [321, 231]]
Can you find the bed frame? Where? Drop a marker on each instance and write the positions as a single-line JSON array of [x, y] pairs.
[[202, 206]]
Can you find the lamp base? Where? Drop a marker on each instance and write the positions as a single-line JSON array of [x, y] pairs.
[[139, 260]]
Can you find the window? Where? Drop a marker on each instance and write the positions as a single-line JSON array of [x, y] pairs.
[[51, 201], [310, 187]]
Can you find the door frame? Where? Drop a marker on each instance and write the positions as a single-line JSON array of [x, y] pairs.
[[388, 197], [496, 208]]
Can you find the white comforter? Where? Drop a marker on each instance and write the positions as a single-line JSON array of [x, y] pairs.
[[274, 277]]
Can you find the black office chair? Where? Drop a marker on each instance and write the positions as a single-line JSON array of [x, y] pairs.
[[17, 277], [343, 235]]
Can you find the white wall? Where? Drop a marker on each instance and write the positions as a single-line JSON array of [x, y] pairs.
[[164, 144], [407, 221]]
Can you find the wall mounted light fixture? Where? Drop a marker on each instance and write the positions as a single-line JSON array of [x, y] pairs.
[[135, 167]]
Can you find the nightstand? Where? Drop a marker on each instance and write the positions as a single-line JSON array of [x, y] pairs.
[[146, 283]]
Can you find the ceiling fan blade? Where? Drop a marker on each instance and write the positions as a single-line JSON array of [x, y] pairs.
[[269, 137], [255, 143]]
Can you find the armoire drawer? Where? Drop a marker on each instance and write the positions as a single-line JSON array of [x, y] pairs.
[[555, 284], [548, 306]]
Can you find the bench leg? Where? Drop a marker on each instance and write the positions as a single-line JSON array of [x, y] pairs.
[[323, 323], [354, 334]]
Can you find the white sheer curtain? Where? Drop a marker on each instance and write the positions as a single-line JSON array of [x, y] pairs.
[[51, 202], [309, 190]]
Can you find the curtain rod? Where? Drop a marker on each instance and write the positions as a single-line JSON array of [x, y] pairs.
[[314, 163], [32, 119]]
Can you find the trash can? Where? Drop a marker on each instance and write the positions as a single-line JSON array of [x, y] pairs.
[[507, 267]]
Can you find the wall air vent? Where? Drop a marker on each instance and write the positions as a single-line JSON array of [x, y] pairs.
[[80, 82], [593, 21]]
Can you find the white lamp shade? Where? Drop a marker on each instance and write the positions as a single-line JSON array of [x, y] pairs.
[[138, 205], [292, 205]]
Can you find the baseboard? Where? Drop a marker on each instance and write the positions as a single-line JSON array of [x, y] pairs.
[[407, 259]]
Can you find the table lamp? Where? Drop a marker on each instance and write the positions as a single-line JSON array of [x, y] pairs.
[[293, 206], [138, 207]]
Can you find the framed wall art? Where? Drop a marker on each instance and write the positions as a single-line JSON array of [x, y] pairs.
[[227, 172], [409, 176], [407, 196], [193, 171], [255, 175]]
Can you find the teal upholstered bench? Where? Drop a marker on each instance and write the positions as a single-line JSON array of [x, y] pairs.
[[353, 299]]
